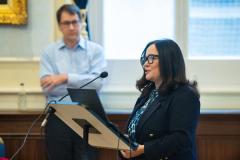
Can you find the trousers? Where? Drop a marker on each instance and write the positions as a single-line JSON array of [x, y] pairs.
[[64, 144]]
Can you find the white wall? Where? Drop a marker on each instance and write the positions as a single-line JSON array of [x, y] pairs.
[[28, 40]]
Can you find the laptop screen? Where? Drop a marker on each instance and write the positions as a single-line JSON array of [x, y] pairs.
[[88, 97]]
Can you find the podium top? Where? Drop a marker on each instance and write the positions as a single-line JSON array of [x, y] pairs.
[[91, 106], [102, 134]]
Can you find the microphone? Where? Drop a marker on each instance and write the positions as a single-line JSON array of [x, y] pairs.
[[52, 110], [49, 111], [102, 75]]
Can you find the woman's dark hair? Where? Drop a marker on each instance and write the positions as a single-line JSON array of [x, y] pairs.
[[172, 68], [69, 8]]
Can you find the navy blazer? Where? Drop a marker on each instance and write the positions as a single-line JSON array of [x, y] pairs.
[[167, 128]]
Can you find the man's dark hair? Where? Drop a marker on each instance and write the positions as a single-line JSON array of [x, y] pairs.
[[171, 65], [69, 8]]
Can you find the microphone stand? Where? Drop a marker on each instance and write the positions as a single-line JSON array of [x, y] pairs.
[[79, 88]]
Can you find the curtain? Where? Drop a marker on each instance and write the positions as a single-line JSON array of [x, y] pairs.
[[82, 4]]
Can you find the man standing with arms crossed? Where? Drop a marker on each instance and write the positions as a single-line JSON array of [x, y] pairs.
[[69, 63]]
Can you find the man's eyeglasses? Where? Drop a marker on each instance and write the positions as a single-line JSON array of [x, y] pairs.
[[68, 23], [150, 58]]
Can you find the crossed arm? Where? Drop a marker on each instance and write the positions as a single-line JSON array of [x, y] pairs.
[[50, 81]]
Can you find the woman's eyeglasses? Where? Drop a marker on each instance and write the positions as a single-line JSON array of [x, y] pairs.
[[150, 58]]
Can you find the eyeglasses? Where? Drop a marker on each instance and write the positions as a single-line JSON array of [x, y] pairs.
[[150, 58], [68, 23]]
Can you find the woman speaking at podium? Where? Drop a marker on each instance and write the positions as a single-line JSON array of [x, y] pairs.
[[165, 117]]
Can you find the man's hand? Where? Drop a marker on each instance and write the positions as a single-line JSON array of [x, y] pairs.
[[130, 153], [50, 81]]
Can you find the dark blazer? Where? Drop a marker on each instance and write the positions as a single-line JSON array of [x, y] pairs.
[[167, 128]]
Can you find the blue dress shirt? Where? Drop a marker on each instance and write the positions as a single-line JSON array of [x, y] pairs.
[[82, 63]]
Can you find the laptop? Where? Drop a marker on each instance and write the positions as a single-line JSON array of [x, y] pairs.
[[90, 99]]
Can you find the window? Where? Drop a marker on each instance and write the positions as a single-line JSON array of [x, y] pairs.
[[130, 24], [214, 29]]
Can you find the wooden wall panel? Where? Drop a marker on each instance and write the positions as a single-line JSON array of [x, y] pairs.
[[219, 147], [218, 136]]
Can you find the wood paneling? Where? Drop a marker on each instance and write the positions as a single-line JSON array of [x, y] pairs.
[[14, 126], [218, 136]]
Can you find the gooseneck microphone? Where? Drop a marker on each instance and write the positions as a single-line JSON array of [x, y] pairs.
[[102, 75], [52, 110]]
